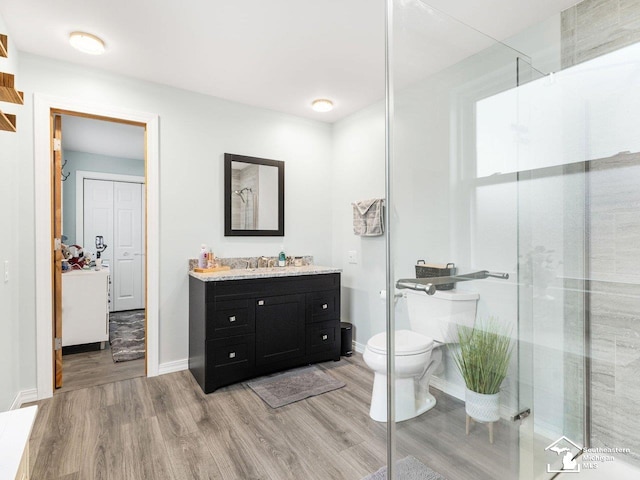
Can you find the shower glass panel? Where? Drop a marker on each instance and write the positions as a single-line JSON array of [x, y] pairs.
[[445, 206], [501, 169], [578, 232]]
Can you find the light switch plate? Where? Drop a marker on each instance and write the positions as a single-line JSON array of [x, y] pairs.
[[352, 256]]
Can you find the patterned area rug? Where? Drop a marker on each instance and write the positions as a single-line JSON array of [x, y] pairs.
[[409, 468], [294, 385], [126, 335]]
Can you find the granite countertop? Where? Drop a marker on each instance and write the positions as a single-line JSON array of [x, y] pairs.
[[249, 273]]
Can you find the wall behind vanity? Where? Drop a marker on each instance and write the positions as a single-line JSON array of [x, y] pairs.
[[195, 132]]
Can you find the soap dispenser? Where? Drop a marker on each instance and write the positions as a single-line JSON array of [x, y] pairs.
[[282, 258], [202, 259]]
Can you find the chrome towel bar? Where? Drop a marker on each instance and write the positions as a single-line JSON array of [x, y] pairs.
[[428, 285]]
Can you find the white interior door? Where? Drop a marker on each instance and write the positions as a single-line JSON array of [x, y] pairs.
[[98, 216], [128, 246], [114, 210]]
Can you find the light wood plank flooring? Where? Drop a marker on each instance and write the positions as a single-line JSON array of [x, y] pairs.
[[166, 428], [88, 369]]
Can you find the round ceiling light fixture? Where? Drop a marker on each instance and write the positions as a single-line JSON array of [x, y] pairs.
[[86, 43], [322, 105]]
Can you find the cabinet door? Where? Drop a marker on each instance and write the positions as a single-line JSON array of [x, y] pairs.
[[280, 328]]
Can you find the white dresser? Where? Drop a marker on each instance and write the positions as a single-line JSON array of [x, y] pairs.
[[85, 306], [15, 430]]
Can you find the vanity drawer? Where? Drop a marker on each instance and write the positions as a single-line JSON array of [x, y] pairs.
[[231, 318], [323, 305], [323, 337], [229, 360]]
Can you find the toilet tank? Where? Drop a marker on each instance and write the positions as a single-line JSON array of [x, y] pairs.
[[437, 316]]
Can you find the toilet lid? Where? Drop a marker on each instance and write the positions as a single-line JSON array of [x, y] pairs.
[[407, 343]]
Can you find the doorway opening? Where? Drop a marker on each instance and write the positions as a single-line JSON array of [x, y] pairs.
[[102, 225]]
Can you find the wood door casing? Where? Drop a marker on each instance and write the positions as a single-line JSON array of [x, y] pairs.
[[57, 251]]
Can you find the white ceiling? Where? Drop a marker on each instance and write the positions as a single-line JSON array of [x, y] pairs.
[[102, 137], [277, 54]]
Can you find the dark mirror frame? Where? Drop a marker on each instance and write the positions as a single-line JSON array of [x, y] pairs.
[[228, 231]]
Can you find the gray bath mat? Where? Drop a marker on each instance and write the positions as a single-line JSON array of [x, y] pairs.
[[409, 468], [126, 335], [294, 385]]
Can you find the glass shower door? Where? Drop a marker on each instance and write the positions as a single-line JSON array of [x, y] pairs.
[[448, 204]]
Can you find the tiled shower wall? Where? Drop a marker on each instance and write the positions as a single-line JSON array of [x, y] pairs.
[[615, 300], [590, 29], [595, 27]]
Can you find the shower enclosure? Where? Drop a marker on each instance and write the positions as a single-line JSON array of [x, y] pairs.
[[496, 164]]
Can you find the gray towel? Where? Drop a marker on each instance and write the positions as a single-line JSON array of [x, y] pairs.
[[368, 217]]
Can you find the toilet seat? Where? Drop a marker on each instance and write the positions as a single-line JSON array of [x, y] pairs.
[[406, 342]]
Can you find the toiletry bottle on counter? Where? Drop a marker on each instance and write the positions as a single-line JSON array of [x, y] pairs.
[[202, 259], [282, 258]]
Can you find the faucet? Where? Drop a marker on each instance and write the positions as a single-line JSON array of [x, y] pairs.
[[263, 262]]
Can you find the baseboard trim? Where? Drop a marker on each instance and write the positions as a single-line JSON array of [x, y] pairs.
[[449, 388], [358, 347], [175, 366], [24, 396]]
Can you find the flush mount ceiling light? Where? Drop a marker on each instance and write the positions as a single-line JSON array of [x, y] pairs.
[[86, 43], [322, 105]]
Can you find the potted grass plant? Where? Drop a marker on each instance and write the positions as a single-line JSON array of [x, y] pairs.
[[483, 360]]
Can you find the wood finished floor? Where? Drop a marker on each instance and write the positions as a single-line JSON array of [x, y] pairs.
[[88, 369], [166, 428]]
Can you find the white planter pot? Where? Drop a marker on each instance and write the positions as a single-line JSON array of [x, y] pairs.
[[482, 407]]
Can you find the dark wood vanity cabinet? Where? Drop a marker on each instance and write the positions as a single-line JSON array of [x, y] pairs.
[[240, 329]]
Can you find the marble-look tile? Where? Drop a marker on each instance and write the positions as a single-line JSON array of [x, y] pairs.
[[627, 243], [602, 256], [568, 19], [596, 27], [629, 15], [596, 14]]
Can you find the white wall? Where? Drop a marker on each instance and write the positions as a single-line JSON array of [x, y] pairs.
[[10, 166], [358, 174], [195, 131]]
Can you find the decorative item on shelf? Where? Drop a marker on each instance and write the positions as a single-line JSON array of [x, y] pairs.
[[4, 46], [425, 270], [7, 122], [8, 93], [483, 360]]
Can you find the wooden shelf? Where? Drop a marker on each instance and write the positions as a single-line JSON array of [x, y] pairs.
[[7, 122], [7, 91], [4, 49]]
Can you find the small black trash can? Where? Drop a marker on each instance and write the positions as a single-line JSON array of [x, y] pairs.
[[346, 337]]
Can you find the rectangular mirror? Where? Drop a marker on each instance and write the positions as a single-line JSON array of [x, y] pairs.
[[253, 196]]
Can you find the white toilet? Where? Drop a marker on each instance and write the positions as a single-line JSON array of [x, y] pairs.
[[434, 321]]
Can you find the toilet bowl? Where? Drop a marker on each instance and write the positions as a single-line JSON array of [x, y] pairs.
[[415, 359], [434, 321]]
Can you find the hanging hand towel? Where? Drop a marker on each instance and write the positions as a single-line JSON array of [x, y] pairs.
[[368, 219]]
